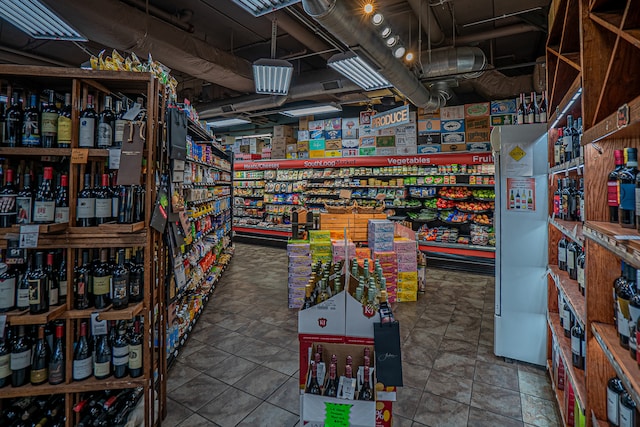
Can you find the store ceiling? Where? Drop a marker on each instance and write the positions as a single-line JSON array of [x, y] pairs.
[[210, 45]]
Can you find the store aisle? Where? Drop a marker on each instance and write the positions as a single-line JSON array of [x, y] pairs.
[[241, 365]]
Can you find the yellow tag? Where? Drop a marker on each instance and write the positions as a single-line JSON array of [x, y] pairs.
[[79, 155], [517, 153]]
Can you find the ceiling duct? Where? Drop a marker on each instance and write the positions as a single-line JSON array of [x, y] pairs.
[[117, 25], [341, 19], [461, 62], [429, 24]]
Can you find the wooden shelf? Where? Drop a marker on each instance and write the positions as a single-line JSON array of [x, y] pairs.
[[90, 384], [576, 376], [571, 229], [595, 422], [610, 21], [15, 318], [567, 167], [108, 313], [559, 394], [608, 127], [572, 88], [34, 151], [55, 228], [603, 233], [569, 289], [626, 368]]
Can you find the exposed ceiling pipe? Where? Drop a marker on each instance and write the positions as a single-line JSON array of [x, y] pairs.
[[173, 19], [117, 25], [241, 104], [342, 21], [466, 62], [429, 23], [300, 33], [496, 33]]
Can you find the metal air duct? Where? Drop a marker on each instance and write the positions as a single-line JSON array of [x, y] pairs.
[[342, 20], [464, 62]]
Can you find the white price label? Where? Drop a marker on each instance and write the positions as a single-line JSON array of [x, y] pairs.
[[114, 158], [98, 327], [29, 236]]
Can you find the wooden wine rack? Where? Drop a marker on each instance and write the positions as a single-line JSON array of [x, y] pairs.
[[79, 82], [593, 56]]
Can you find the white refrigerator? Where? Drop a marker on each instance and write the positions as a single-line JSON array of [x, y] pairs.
[[520, 221]]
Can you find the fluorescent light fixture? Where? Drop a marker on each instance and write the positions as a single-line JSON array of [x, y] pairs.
[[355, 69], [225, 123], [377, 19], [312, 109], [261, 7], [566, 109], [261, 135], [272, 76], [37, 20]]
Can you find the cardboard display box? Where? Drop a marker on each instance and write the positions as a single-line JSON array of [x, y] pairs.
[[282, 131], [480, 109], [428, 148], [453, 147]]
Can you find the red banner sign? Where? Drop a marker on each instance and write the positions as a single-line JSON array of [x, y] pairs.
[[372, 161]]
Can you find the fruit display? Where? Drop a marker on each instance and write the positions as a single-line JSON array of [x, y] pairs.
[[445, 204], [423, 192], [431, 204], [455, 193], [482, 235], [484, 194], [476, 206], [438, 234], [482, 219], [456, 217]]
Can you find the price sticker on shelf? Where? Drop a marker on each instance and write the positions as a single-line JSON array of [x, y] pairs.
[[114, 158], [29, 236], [98, 327], [79, 156]]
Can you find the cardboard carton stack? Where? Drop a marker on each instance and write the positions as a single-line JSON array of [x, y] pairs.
[[299, 254], [407, 255], [380, 234], [320, 246], [503, 112], [389, 263], [478, 126], [343, 251], [282, 141]]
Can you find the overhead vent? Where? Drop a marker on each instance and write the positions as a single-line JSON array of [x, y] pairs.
[[331, 85], [227, 108]]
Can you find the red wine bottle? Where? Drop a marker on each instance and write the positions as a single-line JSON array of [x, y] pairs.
[[102, 282], [20, 359], [50, 121], [62, 200], [24, 201], [136, 277], [81, 282], [120, 352], [88, 117], [8, 196], [62, 278], [82, 360], [86, 210], [14, 117], [53, 286], [31, 124], [104, 201], [135, 351], [102, 358], [57, 361], [22, 300], [64, 123], [5, 360], [38, 293], [40, 359], [120, 281], [366, 393], [7, 286], [106, 124]]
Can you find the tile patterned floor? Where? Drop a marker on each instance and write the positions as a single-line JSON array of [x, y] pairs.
[[240, 367]]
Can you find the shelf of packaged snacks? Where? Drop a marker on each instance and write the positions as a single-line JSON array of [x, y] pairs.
[[558, 393], [568, 288], [571, 229], [247, 179], [625, 367], [197, 131], [202, 215], [188, 288], [567, 167], [107, 313], [23, 317], [603, 233], [452, 185], [209, 165], [209, 200], [576, 376], [356, 186]]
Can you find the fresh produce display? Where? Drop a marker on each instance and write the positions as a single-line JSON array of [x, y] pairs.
[[400, 203], [423, 192], [445, 204], [482, 235], [482, 219], [483, 194], [423, 215], [456, 217], [475, 206], [431, 204], [438, 234], [455, 193]]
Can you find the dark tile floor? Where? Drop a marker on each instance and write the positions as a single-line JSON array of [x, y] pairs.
[[240, 368]]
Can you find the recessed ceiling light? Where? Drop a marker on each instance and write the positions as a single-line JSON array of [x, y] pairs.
[[391, 41], [312, 109], [386, 32], [368, 8], [399, 51], [377, 19], [409, 56]]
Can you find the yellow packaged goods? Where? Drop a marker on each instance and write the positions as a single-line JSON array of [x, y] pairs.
[[321, 258], [407, 287], [316, 154], [406, 296], [408, 275], [317, 235]]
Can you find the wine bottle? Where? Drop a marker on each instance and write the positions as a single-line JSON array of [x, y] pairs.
[[136, 277], [82, 278], [331, 388], [543, 108], [3, 124], [627, 185], [20, 359], [119, 125], [106, 124], [567, 319], [64, 123], [565, 197], [138, 206], [120, 352], [86, 211], [31, 124], [135, 351], [8, 196], [44, 204], [577, 355], [581, 266], [5, 359], [314, 386], [40, 359], [120, 281], [627, 411], [624, 294], [88, 117], [567, 140], [103, 201], [8, 281], [572, 257], [533, 114], [82, 357], [62, 278], [62, 201], [102, 282], [38, 294], [614, 391], [14, 117], [24, 202], [102, 358], [114, 196], [521, 110], [22, 297], [53, 287], [562, 253], [57, 367], [50, 122], [365, 393]]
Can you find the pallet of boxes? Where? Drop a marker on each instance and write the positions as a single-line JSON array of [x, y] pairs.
[[347, 292]]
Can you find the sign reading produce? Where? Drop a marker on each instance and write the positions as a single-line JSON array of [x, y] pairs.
[[396, 117]]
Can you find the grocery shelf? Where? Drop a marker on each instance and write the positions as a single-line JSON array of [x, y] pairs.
[[604, 234], [576, 376], [566, 167], [608, 126], [626, 368], [559, 394], [571, 229], [209, 165], [107, 313], [571, 293], [90, 384], [458, 249], [197, 131], [23, 317]]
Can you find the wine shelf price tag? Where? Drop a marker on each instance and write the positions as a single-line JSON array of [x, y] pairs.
[[98, 327], [626, 237], [29, 236], [79, 155]]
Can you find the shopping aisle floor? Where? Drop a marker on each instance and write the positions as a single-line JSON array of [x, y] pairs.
[[240, 366]]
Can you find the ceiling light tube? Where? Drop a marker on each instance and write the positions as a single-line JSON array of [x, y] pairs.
[[37, 20], [225, 123], [272, 76], [355, 69], [262, 7], [312, 109]]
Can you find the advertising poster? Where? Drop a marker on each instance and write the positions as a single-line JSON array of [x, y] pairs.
[[521, 194]]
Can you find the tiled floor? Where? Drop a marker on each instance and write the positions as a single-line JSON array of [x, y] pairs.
[[240, 367]]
